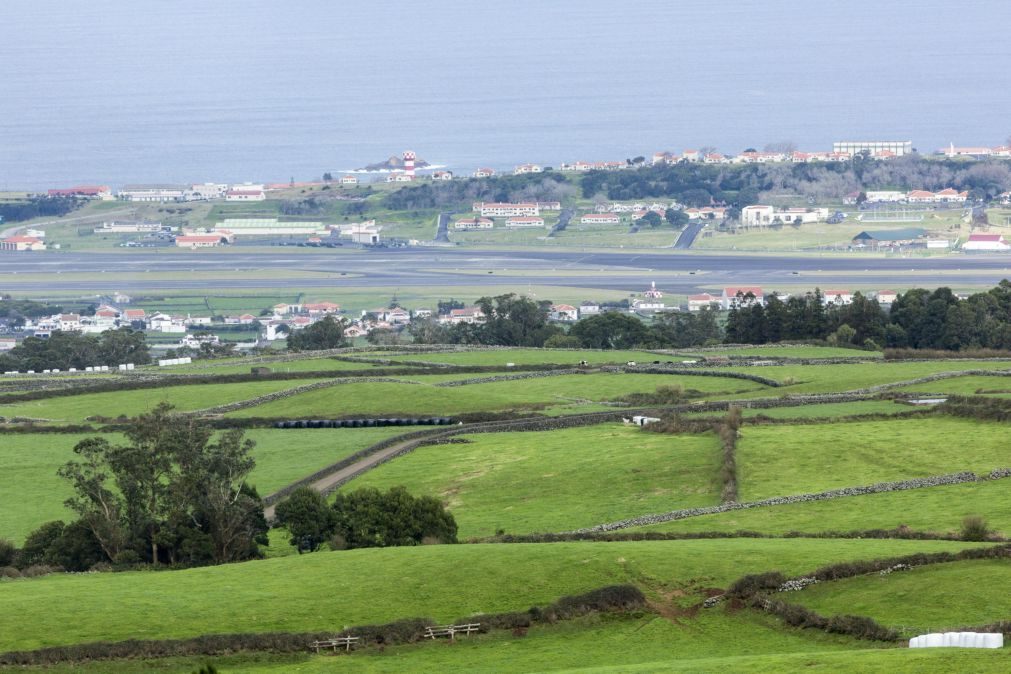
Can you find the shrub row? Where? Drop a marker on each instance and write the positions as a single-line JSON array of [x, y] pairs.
[[978, 407], [659, 368], [939, 354], [860, 568], [611, 598], [795, 615], [728, 432]]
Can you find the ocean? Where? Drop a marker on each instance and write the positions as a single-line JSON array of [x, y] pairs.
[[121, 91]]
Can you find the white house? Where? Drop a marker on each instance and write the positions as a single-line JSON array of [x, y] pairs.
[[245, 195], [501, 210], [886, 297], [442, 175], [154, 192], [599, 219], [348, 181], [474, 223], [525, 221], [589, 309], [884, 196], [986, 243], [702, 301], [484, 173], [759, 215], [736, 296], [837, 297], [564, 312], [527, 168]]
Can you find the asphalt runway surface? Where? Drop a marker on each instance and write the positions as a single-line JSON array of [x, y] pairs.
[[446, 266]]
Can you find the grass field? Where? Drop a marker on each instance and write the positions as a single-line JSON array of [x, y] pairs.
[[822, 411], [964, 385], [852, 376], [939, 509], [444, 582], [534, 357], [114, 403], [390, 398], [32, 493], [791, 351], [780, 460], [934, 598], [558, 480]]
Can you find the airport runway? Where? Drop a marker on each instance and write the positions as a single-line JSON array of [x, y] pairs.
[[631, 271]]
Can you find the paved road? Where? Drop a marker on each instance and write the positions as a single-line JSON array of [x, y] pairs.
[[442, 228], [688, 234], [413, 267]]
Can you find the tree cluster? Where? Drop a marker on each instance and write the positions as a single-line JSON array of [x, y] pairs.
[[365, 518], [321, 335], [918, 319], [14, 312], [454, 193], [173, 493], [38, 207], [65, 350], [669, 330]]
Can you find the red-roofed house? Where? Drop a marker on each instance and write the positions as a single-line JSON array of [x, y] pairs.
[[886, 297], [84, 191], [134, 315], [198, 240], [702, 301], [319, 308], [245, 195], [474, 223], [484, 173], [500, 210], [986, 243], [738, 296], [468, 315], [22, 243], [564, 312]]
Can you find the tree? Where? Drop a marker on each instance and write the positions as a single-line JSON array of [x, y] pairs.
[[308, 517], [610, 330], [676, 217], [170, 492], [327, 177], [325, 334], [369, 518], [512, 320], [651, 218], [382, 336]]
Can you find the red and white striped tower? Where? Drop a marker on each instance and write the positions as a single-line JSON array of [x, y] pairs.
[[409, 162]]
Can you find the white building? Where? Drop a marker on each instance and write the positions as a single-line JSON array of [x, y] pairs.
[[206, 191], [198, 240], [269, 227], [759, 215], [128, 227], [154, 192], [986, 243], [245, 195], [504, 210], [599, 219], [525, 221], [474, 223], [348, 181], [884, 196], [22, 243], [527, 168], [896, 147], [564, 312], [737, 296], [702, 301], [837, 297], [484, 173]]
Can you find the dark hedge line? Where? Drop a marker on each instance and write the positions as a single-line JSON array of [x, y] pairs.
[[34, 428], [863, 567], [795, 615], [978, 407], [605, 599], [903, 533], [937, 354]]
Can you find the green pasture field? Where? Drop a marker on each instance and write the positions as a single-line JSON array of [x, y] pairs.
[[612, 644], [229, 366], [77, 408], [328, 590], [389, 398], [605, 641], [939, 509], [557, 480], [932, 598], [31, 493], [791, 351], [533, 357], [852, 376], [806, 237], [782, 460], [965, 386], [822, 411]]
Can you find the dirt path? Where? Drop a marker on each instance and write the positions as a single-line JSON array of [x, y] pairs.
[[362, 465]]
